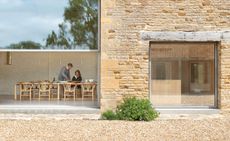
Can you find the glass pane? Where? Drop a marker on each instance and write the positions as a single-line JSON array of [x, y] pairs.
[[49, 25], [37, 67], [182, 74]]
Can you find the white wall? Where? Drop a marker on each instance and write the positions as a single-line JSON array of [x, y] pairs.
[[32, 66]]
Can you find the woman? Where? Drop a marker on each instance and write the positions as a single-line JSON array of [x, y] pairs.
[[77, 76]]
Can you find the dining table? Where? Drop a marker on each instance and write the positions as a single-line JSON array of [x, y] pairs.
[[59, 85]]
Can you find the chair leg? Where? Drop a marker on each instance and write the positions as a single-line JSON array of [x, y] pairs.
[[92, 96], [82, 94], [49, 95], [20, 96], [30, 95], [74, 96], [64, 96], [39, 95]]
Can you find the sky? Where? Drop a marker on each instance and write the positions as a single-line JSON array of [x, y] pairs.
[[23, 20]]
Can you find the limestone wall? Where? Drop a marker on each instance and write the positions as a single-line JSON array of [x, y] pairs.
[[125, 54], [224, 75]]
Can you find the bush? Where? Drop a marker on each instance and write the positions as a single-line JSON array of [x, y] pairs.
[[132, 109], [136, 109], [109, 115]]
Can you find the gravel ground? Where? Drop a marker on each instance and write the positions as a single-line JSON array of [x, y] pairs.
[[87, 127]]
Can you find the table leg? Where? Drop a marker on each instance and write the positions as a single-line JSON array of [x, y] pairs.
[[15, 92], [58, 91]]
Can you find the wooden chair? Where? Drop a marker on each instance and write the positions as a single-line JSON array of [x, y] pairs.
[[69, 90], [25, 89], [88, 90], [35, 89], [53, 90], [78, 92], [44, 89]]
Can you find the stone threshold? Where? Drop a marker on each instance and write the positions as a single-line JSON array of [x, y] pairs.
[[188, 110], [48, 109], [22, 116]]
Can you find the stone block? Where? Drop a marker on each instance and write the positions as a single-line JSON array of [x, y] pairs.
[[109, 83], [108, 104], [226, 37], [206, 2]]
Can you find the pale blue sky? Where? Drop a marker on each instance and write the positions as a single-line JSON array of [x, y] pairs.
[[22, 20]]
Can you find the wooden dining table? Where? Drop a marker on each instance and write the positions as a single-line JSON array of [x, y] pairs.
[[59, 85]]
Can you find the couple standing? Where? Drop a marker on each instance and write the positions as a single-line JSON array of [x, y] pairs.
[[64, 74]]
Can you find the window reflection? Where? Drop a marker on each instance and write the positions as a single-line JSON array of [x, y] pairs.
[[182, 73]]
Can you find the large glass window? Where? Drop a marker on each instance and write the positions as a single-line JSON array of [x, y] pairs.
[[182, 74], [49, 24], [38, 39], [32, 79]]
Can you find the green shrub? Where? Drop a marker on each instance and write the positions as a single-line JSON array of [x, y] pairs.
[[136, 109], [109, 115]]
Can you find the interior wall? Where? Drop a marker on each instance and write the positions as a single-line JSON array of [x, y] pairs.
[[32, 66]]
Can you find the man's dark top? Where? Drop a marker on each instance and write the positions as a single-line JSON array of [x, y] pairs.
[[64, 74]]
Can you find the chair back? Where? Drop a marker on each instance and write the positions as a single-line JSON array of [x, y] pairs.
[[25, 86], [53, 85], [69, 86], [35, 85], [44, 86], [88, 87]]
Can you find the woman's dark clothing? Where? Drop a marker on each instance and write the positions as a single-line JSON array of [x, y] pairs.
[[77, 79]]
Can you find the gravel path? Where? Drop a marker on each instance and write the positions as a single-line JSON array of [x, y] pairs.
[[79, 128]]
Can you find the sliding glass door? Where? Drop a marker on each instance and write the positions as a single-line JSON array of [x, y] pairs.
[[182, 74]]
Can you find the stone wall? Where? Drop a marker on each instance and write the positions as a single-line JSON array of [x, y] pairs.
[[224, 75], [125, 54]]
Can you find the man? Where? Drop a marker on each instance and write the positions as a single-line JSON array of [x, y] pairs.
[[64, 74]]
